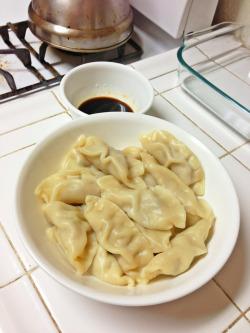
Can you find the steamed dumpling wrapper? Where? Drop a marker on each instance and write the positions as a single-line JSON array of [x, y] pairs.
[[69, 186], [168, 179], [159, 240], [106, 268], [72, 232], [112, 161], [73, 159], [134, 152], [185, 247], [117, 233], [135, 166], [139, 215], [176, 156], [155, 208]]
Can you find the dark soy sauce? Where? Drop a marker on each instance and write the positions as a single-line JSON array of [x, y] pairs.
[[103, 104]]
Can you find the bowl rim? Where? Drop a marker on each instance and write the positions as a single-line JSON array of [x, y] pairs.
[[122, 300], [149, 91]]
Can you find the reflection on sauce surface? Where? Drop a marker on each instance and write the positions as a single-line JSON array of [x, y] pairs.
[[103, 104]]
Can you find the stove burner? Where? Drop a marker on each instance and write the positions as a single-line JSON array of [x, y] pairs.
[[24, 56]]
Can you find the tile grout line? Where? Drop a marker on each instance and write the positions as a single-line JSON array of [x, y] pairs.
[[176, 70], [234, 61], [164, 91], [194, 123], [35, 122], [12, 246], [247, 310], [235, 159], [169, 89], [15, 151], [160, 75], [233, 323], [229, 71], [32, 144], [19, 277], [179, 85], [43, 301], [233, 150], [224, 66], [69, 114], [12, 281], [28, 274], [242, 313], [228, 153], [231, 300], [58, 100]]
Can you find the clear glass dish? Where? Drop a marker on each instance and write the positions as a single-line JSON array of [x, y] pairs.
[[221, 80]]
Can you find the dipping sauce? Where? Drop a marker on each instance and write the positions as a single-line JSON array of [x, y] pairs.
[[104, 104]]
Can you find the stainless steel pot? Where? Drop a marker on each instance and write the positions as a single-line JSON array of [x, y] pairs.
[[81, 25]]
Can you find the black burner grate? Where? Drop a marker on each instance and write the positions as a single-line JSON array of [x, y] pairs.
[[23, 54]]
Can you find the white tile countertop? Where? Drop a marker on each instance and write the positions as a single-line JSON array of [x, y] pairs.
[[31, 301]]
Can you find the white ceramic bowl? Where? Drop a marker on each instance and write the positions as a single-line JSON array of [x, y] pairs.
[[98, 79], [121, 130]]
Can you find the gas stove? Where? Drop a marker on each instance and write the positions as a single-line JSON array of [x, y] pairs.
[[24, 46], [28, 65]]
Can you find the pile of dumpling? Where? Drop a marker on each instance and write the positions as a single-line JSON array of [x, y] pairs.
[[127, 216]]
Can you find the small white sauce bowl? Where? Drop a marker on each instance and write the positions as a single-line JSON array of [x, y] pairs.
[[106, 79]]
